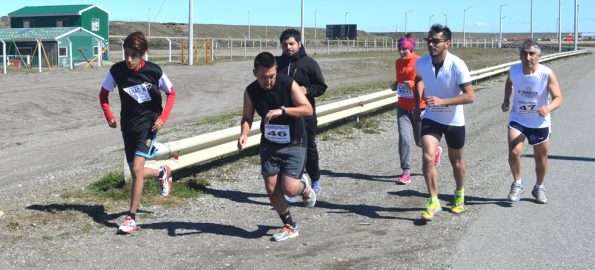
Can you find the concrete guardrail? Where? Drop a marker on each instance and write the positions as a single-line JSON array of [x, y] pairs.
[[210, 146]]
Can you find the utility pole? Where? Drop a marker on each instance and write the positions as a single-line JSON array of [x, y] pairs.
[[249, 25], [190, 34]]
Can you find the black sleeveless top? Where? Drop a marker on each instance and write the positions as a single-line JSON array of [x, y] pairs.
[[135, 115], [280, 95]]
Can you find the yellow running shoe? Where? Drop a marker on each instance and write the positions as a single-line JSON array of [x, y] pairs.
[[432, 208], [459, 202]]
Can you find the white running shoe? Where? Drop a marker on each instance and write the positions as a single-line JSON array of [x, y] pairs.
[[128, 226]]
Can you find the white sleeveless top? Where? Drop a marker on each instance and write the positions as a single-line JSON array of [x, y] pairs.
[[530, 92]]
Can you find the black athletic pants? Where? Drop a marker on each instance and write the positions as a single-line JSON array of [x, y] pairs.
[[312, 153]]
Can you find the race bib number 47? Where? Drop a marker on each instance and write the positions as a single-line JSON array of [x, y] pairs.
[[139, 92], [527, 107], [277, 133]]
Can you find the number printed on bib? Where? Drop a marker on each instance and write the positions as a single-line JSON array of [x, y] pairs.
[[403, 90], [526, 107], [441, 108], [139, 92], [277, 133]]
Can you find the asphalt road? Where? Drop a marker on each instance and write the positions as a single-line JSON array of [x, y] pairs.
[[558, 235]]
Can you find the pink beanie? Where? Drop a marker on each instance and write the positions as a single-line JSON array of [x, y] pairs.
[[406, 43]]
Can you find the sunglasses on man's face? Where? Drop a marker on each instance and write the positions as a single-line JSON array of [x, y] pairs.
[[434, 40]]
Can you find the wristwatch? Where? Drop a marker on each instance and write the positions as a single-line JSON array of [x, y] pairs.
[[283, 111]]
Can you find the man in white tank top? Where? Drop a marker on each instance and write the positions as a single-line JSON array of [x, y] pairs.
[[536, 94]]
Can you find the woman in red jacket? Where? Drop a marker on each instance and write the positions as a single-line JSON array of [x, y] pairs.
[[409, 89]]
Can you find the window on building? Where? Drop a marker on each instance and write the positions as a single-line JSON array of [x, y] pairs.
[[63, 52], [95, 50], [59, 23], [95, 24], [26, 23]]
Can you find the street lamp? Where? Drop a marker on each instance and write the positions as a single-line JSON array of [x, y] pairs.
[[430, 19], [190, 34], [445, 18], [302, 24], [464, 34], [559, 25], [315, 14], [531, 19], [406, 12], [346, 26], [575, 25], [500, 36]]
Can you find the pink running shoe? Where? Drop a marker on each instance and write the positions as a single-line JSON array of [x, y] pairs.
[[438, 156], [404, 179]]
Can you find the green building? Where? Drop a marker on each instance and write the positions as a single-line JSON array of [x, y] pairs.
[[55, 46], [90, 17], [65, 34]]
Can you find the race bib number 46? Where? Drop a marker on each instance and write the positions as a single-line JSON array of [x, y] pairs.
[[277, 133], [139, 92]]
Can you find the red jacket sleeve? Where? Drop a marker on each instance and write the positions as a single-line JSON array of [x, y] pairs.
[[169, 104], [104, 101]]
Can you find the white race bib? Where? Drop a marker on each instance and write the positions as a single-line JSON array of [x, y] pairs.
[[139, 92], [277, 133], [403, 90], [526, 107]]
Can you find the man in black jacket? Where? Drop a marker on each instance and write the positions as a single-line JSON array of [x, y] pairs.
[[306, 72]]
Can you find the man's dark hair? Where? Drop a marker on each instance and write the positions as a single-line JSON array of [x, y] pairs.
[[264, 59], [291, 33], [439, 28]]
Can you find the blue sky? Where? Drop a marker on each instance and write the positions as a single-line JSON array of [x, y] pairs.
[[369, 15]]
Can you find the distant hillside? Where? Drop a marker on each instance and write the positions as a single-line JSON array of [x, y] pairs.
[[119, 28]]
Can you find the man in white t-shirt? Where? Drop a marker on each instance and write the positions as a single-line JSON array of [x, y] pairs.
[[533, 84], [447, 87]]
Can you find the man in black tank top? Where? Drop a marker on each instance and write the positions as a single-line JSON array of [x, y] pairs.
[[282, 105]]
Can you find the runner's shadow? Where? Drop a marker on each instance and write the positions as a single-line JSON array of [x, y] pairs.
[[365, 210], [234, 195], [360, 176], [211, 228], [469, 200], [96, 212], [558, 157]]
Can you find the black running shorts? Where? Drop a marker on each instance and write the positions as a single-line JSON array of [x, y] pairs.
[[454, 135]]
